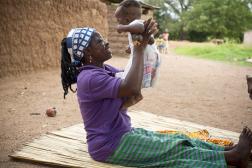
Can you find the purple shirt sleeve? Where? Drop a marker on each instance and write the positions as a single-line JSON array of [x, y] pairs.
[[102, 86]]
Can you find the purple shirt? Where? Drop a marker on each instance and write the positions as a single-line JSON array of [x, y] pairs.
[[104, 122]]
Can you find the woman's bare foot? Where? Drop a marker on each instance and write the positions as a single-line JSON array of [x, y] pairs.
[[241, 152], [228, 148]]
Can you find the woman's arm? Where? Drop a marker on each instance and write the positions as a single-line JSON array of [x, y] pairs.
[[132, 83]]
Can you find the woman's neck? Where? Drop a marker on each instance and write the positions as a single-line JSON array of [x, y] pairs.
[[95, 64]]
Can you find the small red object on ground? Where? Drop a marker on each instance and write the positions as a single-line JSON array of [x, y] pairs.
[[51, 112]]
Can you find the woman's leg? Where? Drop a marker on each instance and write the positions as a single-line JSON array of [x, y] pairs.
[[142, 148], [228, 148], [207, 145]]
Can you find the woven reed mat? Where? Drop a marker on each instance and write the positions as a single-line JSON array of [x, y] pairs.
[[67, 147]]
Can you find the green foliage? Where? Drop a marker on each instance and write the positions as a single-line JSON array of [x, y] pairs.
[[198, 36], [199, 20], [233, 53], [225, 18], [170, 14]]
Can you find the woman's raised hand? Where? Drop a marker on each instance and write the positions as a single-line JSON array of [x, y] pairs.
[[150, 27]]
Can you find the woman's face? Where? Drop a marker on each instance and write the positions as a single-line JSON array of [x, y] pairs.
[[99, 49]]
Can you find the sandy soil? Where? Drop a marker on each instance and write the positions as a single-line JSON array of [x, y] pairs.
[[205, 92]]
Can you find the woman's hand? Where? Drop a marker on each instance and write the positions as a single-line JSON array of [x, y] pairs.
[[150, 28]]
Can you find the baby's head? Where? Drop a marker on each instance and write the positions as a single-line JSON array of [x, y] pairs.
[[128, 11]]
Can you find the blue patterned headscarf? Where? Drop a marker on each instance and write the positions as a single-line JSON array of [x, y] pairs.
[[78, 39]]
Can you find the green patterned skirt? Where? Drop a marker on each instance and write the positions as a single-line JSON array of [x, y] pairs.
[[142, 148]]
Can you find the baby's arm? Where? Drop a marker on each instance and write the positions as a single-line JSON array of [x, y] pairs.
[[134, 28]]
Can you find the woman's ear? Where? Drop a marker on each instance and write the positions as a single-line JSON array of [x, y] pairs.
[[87, 51]]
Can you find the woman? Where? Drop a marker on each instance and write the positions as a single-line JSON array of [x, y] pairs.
[[110, 137]]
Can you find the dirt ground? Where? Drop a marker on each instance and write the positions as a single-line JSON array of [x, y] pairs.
[[201, 91]]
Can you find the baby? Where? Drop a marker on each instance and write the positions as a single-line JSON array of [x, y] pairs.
[[128, 15]]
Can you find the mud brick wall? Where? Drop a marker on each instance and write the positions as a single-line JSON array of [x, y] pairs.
[[31, 30]]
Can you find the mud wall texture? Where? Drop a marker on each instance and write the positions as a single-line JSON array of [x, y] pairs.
[[31, 30]]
